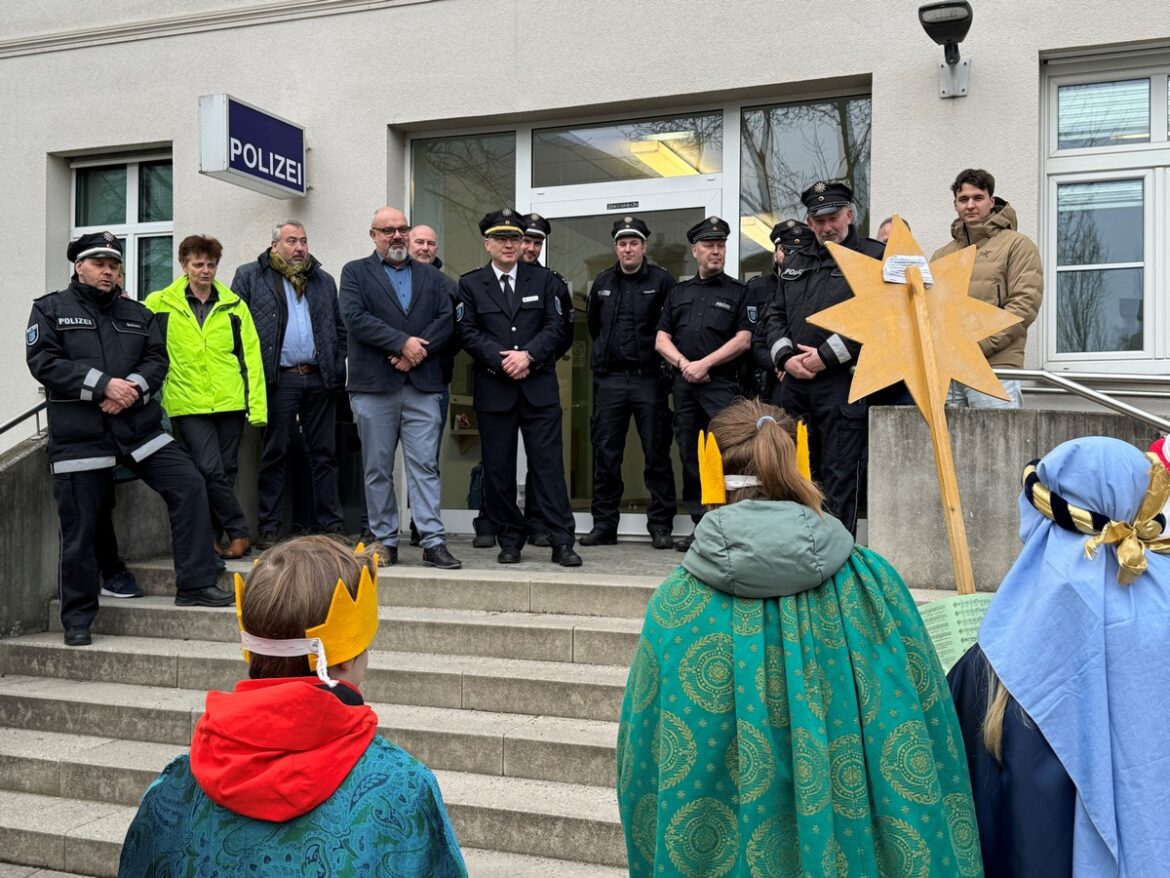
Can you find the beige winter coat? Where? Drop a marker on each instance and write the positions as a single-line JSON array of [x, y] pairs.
[[1007, 274]]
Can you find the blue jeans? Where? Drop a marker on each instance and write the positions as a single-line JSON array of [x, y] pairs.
[[963, 397]]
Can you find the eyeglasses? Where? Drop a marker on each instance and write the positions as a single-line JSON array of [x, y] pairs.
[[390, 231]]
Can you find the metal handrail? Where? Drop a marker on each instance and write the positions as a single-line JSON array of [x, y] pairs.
[[34, 412], [1103, 399]]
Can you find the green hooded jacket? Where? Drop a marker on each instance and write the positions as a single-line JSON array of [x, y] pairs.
[[215, 367], [767, 548]]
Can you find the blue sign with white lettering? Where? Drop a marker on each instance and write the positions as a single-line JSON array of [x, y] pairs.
[[265, 147]]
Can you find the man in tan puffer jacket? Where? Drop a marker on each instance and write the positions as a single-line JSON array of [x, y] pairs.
[[1007, 274]]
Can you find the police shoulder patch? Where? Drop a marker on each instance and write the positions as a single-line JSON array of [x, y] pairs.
[[33, 334], [459, 311], [557, 302], [753, 314]]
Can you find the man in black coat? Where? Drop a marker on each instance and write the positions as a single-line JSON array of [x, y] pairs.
[[398, 311], [293, 301], [510, 322], [102, 359], [758, 376], [817, 362]]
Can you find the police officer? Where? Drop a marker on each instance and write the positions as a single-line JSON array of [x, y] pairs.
[[102, 359], [536, 230], [817, 362], [510, 322], [758, 376], [625, 305], [703, 329]]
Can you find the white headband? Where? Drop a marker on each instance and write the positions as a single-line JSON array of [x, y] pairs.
[[732, 483], [290, 649]]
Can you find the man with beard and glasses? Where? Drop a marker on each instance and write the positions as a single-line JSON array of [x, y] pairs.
[[816, 363], [293, 301]]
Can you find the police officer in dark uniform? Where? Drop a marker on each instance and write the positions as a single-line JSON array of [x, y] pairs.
[[102, 359], [536, 230], [625, 305], [510, 322], [703, 330], [817, 362], [758, 376]]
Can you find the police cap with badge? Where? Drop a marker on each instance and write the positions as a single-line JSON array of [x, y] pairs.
[[630, 227], [790, 234], [95, 245], [823, 197], [710, 229], [536, 226], [504, 223]]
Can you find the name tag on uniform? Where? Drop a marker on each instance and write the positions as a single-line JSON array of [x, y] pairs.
[[719, 303], [649, 292], [530, 299], [603, 293], [75, 323]]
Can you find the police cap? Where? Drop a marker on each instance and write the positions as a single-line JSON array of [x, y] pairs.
[[536, 226], [95, 245], [630, 226], [710, 229], [504, 223], [823, 197], [790, 234]]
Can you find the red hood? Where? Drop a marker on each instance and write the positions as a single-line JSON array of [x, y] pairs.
[[276, 749]]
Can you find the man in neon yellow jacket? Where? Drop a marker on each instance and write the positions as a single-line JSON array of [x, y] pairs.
[[216, 378]]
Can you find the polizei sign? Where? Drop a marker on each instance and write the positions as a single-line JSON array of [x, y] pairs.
[[247, 146]]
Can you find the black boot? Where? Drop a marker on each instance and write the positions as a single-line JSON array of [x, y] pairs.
[[485, 533]]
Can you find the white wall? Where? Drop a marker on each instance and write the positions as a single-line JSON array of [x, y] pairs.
[[414, 65]]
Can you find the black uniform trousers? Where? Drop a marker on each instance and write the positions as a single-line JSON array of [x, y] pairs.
[[80, 496], [214, 443], [838, 438], [499, 438], [694, 407], [105, 538], [618, 396], [307, 396]]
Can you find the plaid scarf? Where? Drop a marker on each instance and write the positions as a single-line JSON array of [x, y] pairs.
[[296, 274]]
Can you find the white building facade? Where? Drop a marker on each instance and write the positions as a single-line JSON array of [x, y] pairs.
[[586, 111]]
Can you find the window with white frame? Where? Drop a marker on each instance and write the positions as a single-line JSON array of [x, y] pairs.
[[133, 199], [1107, 247]]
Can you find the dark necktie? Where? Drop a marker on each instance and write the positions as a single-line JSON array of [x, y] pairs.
[[506, 280]]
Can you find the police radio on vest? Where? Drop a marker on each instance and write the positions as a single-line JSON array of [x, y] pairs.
[[255, 158]]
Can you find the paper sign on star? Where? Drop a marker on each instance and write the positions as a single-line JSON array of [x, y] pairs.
[[881, 317]]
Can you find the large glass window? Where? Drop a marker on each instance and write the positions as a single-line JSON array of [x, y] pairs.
[[787, 147], [1107, 254], [134, 200], [670, 146]]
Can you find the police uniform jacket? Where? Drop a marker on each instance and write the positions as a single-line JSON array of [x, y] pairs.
[[810, 282], [701, 315], [532, 321], [77, 340], [568, 315], [761, 292], [378, 327], [623, 313]]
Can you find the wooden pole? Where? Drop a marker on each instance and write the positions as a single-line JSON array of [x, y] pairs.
[[940, 438]]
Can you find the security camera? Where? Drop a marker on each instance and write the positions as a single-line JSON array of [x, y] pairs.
[[947, 24]]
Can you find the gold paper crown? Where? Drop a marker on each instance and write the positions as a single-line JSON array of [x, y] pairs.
[[350, 626], [711, 479]]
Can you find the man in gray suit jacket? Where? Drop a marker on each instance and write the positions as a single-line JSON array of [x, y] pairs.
[[398, 314]]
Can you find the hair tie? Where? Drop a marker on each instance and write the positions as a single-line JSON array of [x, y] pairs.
[[760, 422]]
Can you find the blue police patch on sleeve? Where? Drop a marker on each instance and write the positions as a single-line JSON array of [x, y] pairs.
[[753, 314], [33, 334], [459, 311], [557, 301]]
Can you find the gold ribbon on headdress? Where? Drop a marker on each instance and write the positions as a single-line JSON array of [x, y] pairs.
[[1133, 539]]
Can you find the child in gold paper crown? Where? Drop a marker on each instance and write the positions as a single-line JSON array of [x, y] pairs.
[[288, 767]]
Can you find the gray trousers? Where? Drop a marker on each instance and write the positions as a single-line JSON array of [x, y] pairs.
[[381, 420]]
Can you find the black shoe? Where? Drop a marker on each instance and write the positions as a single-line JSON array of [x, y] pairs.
[[485, 533], [565, 556], [660, 538], [212, 596], [598, 537], [483, 541], [77, 637], [539, 540], [415, 538], [509, 556], [682, 544], [367, 537], [267, 540], [439, 556], [388, 556]]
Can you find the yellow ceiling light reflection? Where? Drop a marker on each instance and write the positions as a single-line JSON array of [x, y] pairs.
[[658, 156], [755, 229]]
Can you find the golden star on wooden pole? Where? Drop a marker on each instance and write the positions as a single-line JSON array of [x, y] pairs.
[[926, 337]]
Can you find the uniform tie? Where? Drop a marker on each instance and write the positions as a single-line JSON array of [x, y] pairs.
[[506, 280]]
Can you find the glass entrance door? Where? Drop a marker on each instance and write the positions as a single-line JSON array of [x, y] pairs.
[[580, 248]]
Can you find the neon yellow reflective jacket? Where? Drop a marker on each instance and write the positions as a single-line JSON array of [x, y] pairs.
[[215, 367]]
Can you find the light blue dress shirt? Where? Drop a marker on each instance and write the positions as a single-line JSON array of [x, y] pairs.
[[298, 345]]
